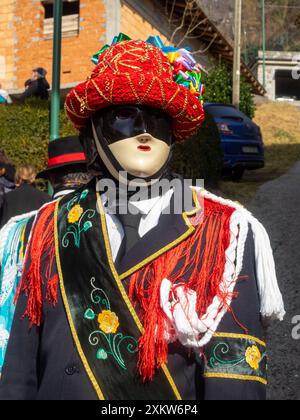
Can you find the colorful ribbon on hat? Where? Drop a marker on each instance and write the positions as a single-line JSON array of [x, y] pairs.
[[121, 37], [186, 71]]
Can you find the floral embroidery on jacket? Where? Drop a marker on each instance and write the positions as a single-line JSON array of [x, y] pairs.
[[107, 339], [253, 357], [108, 322], [237, 357], [79, 220], [75, 213]]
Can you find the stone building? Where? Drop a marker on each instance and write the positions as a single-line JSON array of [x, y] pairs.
[[26, 35], [282, 74]]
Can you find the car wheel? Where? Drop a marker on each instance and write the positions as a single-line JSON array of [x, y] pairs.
[[226, 174], [237, 174]]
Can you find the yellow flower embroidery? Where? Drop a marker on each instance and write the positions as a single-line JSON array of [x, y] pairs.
[[75, 214], [253, 357], [108, 322]]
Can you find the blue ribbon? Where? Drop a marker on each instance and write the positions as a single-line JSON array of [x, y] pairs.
[[157, 42]]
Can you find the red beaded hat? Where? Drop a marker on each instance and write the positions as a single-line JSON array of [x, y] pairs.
[[140, 73]]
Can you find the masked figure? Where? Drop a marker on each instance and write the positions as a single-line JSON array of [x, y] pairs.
[[122, 295]]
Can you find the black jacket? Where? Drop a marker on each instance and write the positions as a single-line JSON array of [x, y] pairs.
[[22, 200], [5, 187], [2, 192], [42, 363], [37, 89]]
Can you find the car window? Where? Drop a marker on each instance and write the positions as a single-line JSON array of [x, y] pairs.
[[220, 111]]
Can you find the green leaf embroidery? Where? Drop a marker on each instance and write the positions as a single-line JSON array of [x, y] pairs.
[[87, 226], [101, 354], [90, 314], [84, 194]]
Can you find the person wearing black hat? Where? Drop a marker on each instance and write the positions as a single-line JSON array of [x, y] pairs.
[[37, 86], [67, 166], [67, 171]]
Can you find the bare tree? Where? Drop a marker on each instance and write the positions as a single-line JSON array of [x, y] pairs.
[[185, 26]]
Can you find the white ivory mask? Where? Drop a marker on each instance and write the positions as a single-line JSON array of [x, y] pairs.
[[141, 156]]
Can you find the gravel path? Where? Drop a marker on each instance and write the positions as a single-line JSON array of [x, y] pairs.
[[277, 206]]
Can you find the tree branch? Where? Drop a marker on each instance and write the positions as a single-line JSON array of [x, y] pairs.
[[207, 48]]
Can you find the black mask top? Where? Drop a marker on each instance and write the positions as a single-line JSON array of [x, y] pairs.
[[126, 121]]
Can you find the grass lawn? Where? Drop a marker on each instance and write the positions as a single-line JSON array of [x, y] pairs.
[[280, 125]]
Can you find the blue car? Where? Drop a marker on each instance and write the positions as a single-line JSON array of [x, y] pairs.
[[241, 140]]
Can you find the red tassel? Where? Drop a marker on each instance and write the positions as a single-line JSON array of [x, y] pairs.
[[203, 265], [52, 289], [38, 265]]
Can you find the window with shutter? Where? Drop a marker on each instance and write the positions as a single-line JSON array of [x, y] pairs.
[[70, 18]]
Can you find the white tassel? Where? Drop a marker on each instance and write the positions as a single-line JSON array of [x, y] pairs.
[[239, 232], [179, 304], [272, 305]]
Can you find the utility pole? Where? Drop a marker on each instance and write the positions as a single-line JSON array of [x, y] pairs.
[[55, 99], [237, 54], [246, 47], [263, 7], [56, 65]]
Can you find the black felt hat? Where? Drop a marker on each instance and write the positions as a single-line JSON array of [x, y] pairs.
[[66, 151]]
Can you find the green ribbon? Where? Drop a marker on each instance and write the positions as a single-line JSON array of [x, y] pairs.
[[120, 38]]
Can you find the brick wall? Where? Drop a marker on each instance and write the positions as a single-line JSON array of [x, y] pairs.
[[23, 45], [31, 49], [7, 73]]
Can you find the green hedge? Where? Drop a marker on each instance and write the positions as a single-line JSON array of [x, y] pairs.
[[24, 136], [218, 88], [24, 132], [201, 157]]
